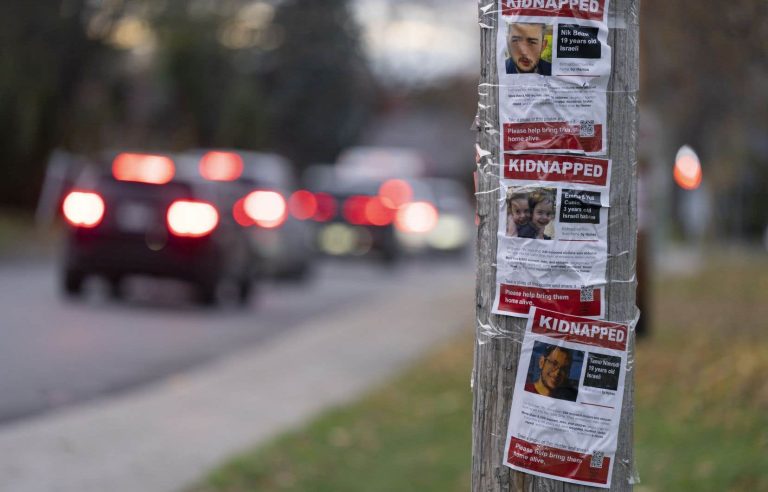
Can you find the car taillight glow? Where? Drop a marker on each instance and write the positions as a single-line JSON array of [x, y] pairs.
[[378, 213], [326, 207], [221, 166], [367, 210], [302, 204], [83, 209], [240, 215], [395, 193], [189, 218], [143, 168], [267, 208], [416, 217], [353, 209]]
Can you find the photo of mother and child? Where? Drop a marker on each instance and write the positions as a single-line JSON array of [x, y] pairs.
[[531, 215]]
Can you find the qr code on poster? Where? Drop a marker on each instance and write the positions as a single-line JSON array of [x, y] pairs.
[[586, 294], [587, 128], [597, 459]]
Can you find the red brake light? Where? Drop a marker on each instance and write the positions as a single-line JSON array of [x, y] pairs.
[[221, 166], [326, 207], [240, 215], [143, 168], [353, 209], [302, 204], [83, 209], [416, 217], [367, 210], [266, 208], [378, 212], [191, 218], [395, 193]]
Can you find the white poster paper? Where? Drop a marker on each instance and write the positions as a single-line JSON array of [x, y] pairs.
[[553, 234], [566, 408], [554, 63]]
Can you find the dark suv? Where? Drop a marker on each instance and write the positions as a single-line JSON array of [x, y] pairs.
[[138, 214]]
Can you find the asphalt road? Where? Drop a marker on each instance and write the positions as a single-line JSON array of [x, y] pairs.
[[360, 326], [55, 352]]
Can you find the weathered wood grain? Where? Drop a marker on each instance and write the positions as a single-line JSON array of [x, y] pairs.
[[497, 346]]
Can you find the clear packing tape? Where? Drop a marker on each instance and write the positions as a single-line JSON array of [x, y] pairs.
[[505, 98], [488, 156]]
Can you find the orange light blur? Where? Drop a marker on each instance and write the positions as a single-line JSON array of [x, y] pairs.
[[302, 204], [189, 218], [416, 217], [687, 171], [221, 166], [267, 208], [83, 209], [143, 168], [326, 207], [378, 213], [395, 193]]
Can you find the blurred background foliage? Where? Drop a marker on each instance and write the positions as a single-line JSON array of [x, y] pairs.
[[704, 82], [301, 78], [85, 75]]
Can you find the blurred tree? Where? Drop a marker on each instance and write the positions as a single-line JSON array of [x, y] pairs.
[[91, 74], [320, 89], [250, 74], [195, 72], [705, 73], [45, 54]]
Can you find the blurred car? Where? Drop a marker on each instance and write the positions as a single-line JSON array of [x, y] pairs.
[[352, 220], [258, 186], [143, 214], [454, 227], [387, 218]]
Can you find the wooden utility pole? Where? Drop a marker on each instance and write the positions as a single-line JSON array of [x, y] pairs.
[[498, 340]]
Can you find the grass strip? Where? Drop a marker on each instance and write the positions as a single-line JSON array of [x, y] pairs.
[[701, 416]]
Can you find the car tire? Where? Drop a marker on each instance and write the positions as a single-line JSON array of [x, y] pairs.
[[72, 283], [116, 287], [389, 257], [244, 292], [207, 294]]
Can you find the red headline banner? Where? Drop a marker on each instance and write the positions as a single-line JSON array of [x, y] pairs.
[[550, 167], [576, 9], [558, 462], [552, 135], [574, 329], [519, 300]]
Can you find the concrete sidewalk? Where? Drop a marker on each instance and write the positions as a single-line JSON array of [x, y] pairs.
[[168, 434]]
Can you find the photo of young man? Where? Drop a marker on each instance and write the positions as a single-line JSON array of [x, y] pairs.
[[525, 44], [549, 373]]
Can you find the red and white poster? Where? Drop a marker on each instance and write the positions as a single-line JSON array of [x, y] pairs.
[[554, 63], [566, 407], [553, 234]]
